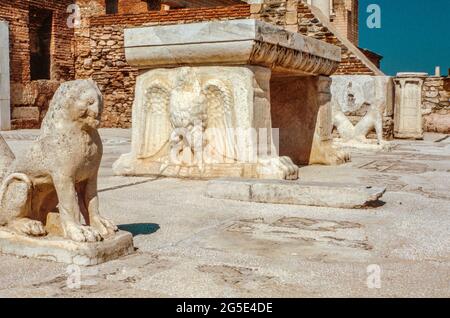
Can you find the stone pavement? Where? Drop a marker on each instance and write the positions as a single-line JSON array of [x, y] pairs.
[[189, 245]]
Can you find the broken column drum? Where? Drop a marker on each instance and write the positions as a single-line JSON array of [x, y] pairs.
[[202, 104]]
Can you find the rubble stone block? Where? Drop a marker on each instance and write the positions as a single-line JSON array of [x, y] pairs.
[[322, 194]]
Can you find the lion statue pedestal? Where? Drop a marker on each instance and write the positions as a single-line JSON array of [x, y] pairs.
[[59, 174]]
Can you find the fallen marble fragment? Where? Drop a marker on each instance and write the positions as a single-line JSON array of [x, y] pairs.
[[322, 194]]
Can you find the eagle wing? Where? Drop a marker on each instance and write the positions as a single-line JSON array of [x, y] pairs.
[[156, 126], [219, 108]]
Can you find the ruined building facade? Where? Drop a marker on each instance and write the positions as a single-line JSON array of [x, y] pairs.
[[41, 55], [344, 16], [99, 41], [45, 50]]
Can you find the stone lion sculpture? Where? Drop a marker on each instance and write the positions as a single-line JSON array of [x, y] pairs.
[[59, 171], [364, 97]]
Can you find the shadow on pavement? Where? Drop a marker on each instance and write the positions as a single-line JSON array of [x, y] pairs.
[[139, 228]]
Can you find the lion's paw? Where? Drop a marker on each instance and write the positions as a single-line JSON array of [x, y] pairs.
[[342, 156], [277, 168], [336, 157], [81, 233], [28, 227], [104, 226]]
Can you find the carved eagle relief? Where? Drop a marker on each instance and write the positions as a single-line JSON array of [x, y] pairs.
[[155, 119], [187, 113]]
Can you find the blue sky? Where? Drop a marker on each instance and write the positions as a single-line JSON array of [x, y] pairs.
[[414, 34]]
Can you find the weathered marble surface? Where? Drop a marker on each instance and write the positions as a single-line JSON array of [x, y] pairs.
[[204, 122], [365, 99], [54, 248], [57, 173], [229, 43], [217, 75], [408, 105], [5, 113], [323, 194], [226, 248]]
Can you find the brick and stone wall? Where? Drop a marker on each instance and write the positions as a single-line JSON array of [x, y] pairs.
[[436, 104], [141, 6], [351, 64], [283, 13], [297, 16], [345, 19], [133, 6], [29, 99], [373, 57], [95, 48]]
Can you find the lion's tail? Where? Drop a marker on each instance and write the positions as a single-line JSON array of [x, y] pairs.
[[6, 158]]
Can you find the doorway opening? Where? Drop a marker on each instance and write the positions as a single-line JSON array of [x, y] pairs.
[[40, 31], [112, 6]]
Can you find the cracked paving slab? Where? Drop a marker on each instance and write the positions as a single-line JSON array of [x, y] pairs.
[[189, 245]]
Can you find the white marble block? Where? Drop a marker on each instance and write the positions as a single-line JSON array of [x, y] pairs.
[[408, 105], [206, 121], [202, 103]]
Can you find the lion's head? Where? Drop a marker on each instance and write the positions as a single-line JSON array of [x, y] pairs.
[[78, 101]]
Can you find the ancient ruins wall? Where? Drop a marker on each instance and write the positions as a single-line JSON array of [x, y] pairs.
[[100, 53], [345, 18], [132, 6], [422, 104], [140, 6], [279, 12], [29, 100], [436, 104], [297, 16], [351, 64], [98, 49]]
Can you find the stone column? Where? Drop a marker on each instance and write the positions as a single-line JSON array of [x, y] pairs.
[[324, 118], [262, 120], [408, 105], [5, 116], [437, 71], [322, 151]]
